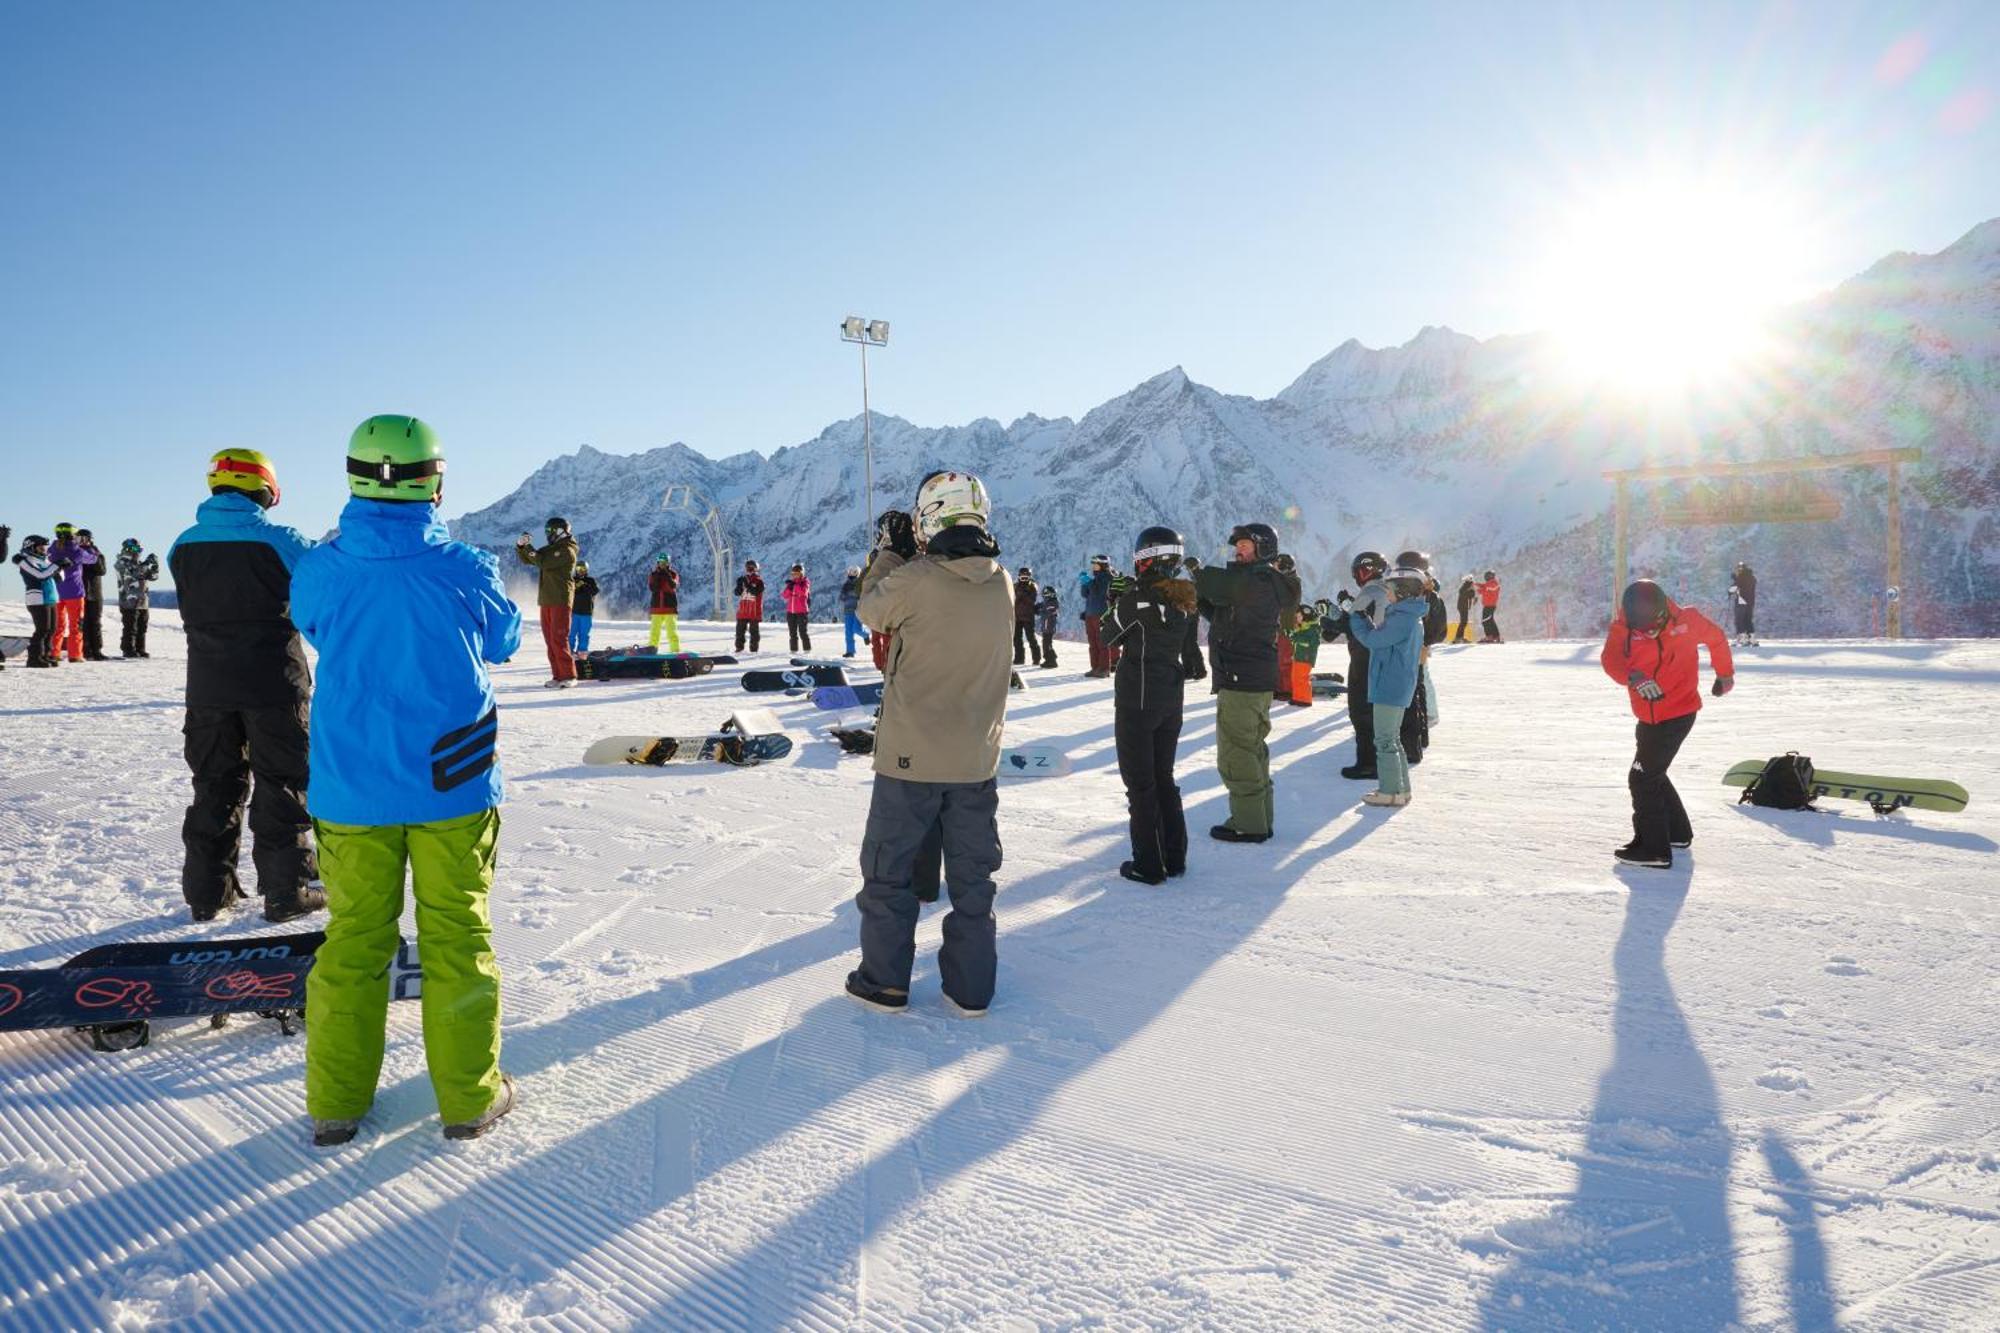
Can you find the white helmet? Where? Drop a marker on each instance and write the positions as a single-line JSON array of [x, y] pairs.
[[947, 499], [853, 570]]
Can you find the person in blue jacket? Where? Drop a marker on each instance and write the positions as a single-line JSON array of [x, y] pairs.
[[1395, 650], [406, 776]]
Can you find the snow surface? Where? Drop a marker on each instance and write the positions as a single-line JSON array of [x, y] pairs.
[[1437, 1068]]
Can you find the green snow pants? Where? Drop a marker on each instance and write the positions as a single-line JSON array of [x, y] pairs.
[[450, 864], [1242, 721]]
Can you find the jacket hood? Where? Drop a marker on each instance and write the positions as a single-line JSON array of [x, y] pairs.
[[973, 568], [1409, 606], [230, 509], [384, 530]]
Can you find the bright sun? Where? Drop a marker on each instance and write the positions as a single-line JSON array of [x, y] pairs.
[[1666, 285]]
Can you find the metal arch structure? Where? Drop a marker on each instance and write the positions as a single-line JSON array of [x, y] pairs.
[[687, 499]]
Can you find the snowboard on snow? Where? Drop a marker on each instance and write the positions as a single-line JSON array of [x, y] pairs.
[[644, 666], [750, 737], [1328, 685], [820, 661], [13, 645], [796, 678], [113, 992], [1034, 761], [648, 650], [847, 696], [1880, 793]]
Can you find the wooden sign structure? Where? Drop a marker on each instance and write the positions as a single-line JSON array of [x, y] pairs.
[[1739, 500]]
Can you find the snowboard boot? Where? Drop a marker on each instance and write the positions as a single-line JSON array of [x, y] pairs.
[[1224, 833], [962, 1010], [1359, 772], [882, 999], [206, 912], [1130, 870], [1631, 855], [309, 899], [1395, 799], [333, 1133], [472, 1129]]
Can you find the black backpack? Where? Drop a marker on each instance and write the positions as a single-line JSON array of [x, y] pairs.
[[1785, 784]]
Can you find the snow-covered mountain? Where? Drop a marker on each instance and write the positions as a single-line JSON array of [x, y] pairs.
[[1481, 452]]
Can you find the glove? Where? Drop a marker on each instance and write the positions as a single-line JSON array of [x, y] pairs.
[[1190, 563], [1285, 563], [1645, 686], [1722, 686], [524, 540], [896, 534]]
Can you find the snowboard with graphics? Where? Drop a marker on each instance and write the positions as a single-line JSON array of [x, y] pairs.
[[751, 736], [847, 696], [795, 678], [644, 666], [114, 992], [1879, 793]]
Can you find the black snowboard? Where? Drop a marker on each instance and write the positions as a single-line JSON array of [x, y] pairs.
[[644, 666], [796, 678], [114, 991]]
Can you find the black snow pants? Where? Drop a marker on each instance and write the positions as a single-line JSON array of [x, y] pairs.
[[1746, 617], [1025, 646], [901, 818], [93, 627], [1489, 625], [132, 638], [38, 641], [1048, 645], [225, 747], [1147, 739], [750, 628], [1658, 818], [800, 631]]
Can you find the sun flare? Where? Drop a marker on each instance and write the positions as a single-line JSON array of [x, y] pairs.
[[1670, 283]]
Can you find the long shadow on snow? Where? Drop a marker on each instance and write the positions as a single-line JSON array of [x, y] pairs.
[[1645, 1241], [1199, 927], [140, 706], [1817, 828], [1810, 1284]]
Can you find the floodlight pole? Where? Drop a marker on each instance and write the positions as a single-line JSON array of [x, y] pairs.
[[866, 334]]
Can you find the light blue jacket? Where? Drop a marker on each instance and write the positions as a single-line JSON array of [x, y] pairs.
[[1393, 650], [404, 725]]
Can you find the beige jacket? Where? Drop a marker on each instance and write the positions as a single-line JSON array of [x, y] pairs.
[[949, 665]]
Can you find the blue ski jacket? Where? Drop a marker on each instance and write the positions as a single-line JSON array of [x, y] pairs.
[[1394, 650], [404, 724]]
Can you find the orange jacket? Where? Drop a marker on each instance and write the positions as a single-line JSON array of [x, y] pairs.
[[1668, 657]]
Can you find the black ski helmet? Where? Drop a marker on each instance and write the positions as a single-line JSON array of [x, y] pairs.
[[1415, 560], [1367, 566], [1158, 543], [555, 525], [1262, 537], [1644, 604], [1490, 576]]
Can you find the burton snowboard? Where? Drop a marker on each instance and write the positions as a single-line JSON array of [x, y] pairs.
[[114, 991], [642, 666], [1880, 793], [797, 678], [647, 650], [751, 736]]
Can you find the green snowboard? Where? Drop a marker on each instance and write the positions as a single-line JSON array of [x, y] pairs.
[[1880, 793]]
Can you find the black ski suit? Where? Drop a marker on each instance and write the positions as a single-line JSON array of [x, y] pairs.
[[1746, 603], [1155, 626]]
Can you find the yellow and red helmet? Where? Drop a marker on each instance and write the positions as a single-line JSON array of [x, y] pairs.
[[245, 470]]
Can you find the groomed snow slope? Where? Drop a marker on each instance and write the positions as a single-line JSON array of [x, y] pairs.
[[1441, 1068]]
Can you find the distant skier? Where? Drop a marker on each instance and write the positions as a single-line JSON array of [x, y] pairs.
[[1489, 602], [1096, 588], [93, 597], [1025, 601], [1284, 564], [557, 562], [1154, 623], [749, 606], [663, 587], [937, 745], [1743, 595], [38, 589], [1245, 600], [135, 570], [582, 609], [797, 596], [406, 781], [850, 602], [1468, 593], [1046, 611], [1651, 650], [249, 693], [1395, 652], [74, 558]]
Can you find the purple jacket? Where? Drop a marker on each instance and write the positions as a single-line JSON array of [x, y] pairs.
[[69, 585]]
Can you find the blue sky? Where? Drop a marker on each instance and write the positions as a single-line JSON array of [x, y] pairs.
[[539, 225]]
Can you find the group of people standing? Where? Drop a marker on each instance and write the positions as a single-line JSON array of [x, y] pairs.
[[63, 586]]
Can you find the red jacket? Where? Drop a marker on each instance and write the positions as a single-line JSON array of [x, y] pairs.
[[1489, 593], [1670, 658], [749, 597], [666, 587]]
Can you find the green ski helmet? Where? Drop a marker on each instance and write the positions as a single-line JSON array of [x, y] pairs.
[[392, 457]]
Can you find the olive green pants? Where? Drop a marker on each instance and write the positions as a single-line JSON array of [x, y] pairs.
[[1242, 721], [450, 865]]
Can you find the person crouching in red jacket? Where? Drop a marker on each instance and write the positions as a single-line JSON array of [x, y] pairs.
[[1652, 650]]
